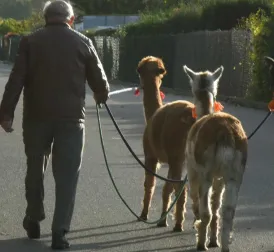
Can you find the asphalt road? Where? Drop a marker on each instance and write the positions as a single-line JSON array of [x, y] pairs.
[[101, 222]]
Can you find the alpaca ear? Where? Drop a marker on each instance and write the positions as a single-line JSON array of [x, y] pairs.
[[161, 71], [218, 73], [190, 74], [269, 62], [139, 69]]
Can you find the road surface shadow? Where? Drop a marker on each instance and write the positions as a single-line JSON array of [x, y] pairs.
[[181, 248], [22, 245], [125, 242], [26, 245]]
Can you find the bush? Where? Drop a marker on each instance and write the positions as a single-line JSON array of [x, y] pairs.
[[262, 27], [11, 25], [21, 26]]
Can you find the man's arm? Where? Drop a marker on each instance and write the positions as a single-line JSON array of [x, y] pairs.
[[15, 83], [96, 77]]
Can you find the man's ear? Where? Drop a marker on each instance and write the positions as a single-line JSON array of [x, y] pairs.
[[71, 21]]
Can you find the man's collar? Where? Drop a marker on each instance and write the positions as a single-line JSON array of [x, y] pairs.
[[57, 24]]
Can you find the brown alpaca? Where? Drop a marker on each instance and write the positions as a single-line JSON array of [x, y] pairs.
[[164, 138], [216, 154]]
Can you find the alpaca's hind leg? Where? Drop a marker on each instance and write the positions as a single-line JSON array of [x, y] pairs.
[[216, 201], [193, 180], [205, 215], [180, 208], [166, 198], [229, 207], [176, 168], [149, 186]]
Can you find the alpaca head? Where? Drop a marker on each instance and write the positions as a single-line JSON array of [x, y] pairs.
[[204, 87], [150, 68]]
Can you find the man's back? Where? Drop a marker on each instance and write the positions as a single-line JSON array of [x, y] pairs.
[[59, 62]]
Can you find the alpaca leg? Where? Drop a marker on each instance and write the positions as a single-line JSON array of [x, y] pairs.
[[149, 186], [205, 215], [176, 168], [229, 207], [216, 201], [166, 198], [193, 181], [180, 208]]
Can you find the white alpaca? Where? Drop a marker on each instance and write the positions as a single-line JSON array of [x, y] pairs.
[[216, 155]]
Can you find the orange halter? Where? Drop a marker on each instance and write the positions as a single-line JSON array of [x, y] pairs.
[[217, 108]]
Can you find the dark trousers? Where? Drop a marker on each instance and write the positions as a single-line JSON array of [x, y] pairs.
[[65, 140]]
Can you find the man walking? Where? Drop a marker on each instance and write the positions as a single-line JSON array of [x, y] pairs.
[[52, 65]]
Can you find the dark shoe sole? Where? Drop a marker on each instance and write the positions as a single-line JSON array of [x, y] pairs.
[[32, 228], [60, 247], [59, 241]]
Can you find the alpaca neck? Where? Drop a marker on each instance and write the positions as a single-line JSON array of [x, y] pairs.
[[202, 110], [204, 104], [152, 98]]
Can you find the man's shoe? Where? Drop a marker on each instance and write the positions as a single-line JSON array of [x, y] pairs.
[[59, 241], [32, 227]]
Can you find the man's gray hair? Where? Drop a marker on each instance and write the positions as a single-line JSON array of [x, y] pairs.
[[58, 9]]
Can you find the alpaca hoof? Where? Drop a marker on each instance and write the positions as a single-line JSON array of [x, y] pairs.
[[142, 217], [162, 223], [231, 237], [214, 244], [201, 247], [178, 228]]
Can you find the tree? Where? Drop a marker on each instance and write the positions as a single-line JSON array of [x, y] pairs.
[[106, 7], [15, 9]]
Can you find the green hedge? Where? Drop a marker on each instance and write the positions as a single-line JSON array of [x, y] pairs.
[[196, 15], [21, 26], [262, 27]]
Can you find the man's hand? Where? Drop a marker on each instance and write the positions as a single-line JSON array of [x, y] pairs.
[[6, 124], [101, 98]]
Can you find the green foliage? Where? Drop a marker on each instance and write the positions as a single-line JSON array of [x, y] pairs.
[[261, 26], [196, 15], [21, 26], [11, 25], [104, 32], [35, 21]]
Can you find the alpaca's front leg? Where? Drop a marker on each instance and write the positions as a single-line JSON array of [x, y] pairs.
[[176, 169], [149, 186], [180, 208], [166, 198], [193, 178]]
